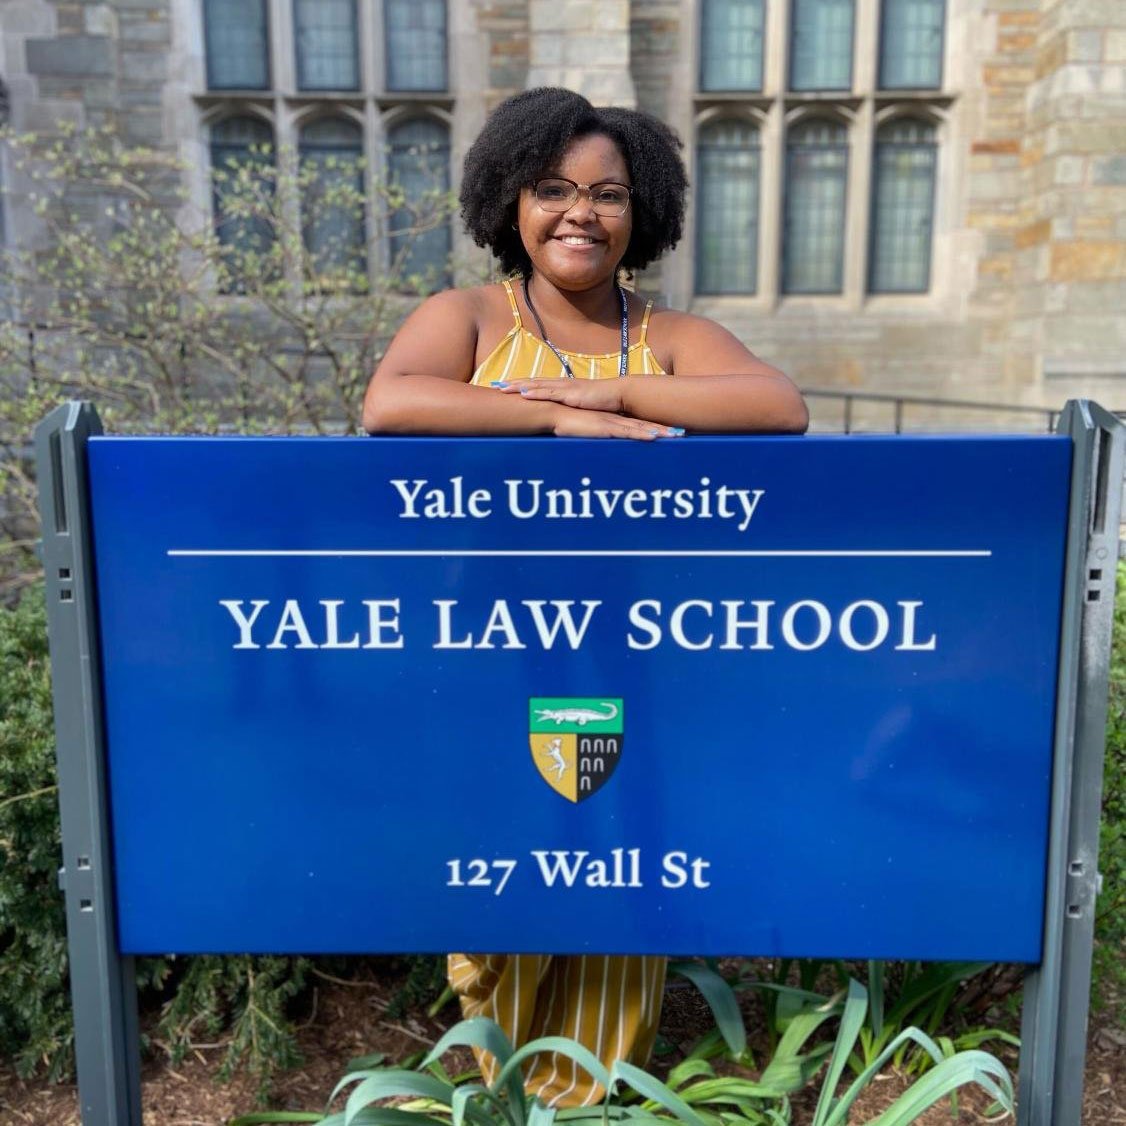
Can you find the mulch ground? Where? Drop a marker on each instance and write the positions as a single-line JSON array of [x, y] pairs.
[[350, 1020]]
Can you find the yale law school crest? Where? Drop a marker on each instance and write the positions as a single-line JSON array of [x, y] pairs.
[[576, 741]]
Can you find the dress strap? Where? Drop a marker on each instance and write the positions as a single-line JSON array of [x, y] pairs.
[[507, 283], [645, 320]]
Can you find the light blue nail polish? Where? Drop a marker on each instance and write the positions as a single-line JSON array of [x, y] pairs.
[[655, 433], [498, 383], [676, 431]]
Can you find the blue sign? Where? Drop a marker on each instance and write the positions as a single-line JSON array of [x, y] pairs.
[[715, 695]]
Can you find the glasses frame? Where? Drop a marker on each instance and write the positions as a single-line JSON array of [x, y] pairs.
[[579, 189]]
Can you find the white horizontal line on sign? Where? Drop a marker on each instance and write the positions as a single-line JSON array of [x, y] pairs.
[[491, 553]]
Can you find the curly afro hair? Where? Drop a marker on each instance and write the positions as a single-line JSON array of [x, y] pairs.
[[526, 134]]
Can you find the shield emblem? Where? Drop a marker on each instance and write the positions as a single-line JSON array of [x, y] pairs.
[[576, 741]]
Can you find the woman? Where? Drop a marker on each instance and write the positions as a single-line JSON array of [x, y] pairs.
[[569, 197]]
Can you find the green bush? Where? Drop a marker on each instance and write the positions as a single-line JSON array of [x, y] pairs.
[[245, 997], [35, 1025], [1108, 989]]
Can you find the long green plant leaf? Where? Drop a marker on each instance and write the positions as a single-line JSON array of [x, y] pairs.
[[876, 982], [722, 1001], [852, 1020], [790, 1068], [571, 1049], [907, 1036], [651, 1088], [957, 1071], [394, 1084], [382, 1116], [482, 1033]]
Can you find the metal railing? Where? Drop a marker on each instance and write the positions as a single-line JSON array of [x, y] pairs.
[[1046, 416]]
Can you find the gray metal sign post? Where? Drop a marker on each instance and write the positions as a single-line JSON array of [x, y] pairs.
[[1056, 993], [103, 984]]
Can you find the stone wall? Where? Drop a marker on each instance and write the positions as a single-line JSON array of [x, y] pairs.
[[1030, 236]]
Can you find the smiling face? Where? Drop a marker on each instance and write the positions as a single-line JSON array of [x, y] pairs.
[[578, 249]]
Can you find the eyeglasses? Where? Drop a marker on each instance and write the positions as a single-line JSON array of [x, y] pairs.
[[558, 194]]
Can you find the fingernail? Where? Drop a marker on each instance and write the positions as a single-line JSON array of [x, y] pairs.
[[498, 383], [676, 431], [655, 433]]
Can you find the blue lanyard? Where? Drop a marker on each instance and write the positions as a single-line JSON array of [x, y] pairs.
[[623, 360]]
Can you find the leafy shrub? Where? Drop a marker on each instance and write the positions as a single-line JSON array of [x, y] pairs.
[[1108, 989], [35, 1024], [694, 1094], [245, 996]]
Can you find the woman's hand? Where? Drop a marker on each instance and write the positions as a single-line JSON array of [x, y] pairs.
[[571, 423], [584, 394]]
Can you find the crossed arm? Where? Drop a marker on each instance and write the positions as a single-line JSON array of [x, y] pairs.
[[716, 385]]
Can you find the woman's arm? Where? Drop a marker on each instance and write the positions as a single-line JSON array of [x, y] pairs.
[[422, 386], [720, 386]]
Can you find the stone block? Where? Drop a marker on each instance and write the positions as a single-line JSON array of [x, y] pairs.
[[28, 17], [997, 269], [1008, 74], [1088, 260], [46, 116], [546, 15], [547, 50], [1014, 42], [607, 88], [601, 51], [1085, 46], [144, 66], [100, 19], [1002, 147], [985, 186], [75, 56], [146, 31], [144, 127], [578, 15], [1087, 137], [1018, 18], [1114, 46], [1033, 235], [100, 93], [1109, 169], [611, 17], [1053, 54], [1094, 226]]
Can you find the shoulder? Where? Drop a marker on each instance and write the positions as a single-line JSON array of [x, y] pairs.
[[476, 303], [466, 310], [687, 344]]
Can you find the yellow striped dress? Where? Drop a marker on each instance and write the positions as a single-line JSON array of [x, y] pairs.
[[520, 355], [609, 1003]]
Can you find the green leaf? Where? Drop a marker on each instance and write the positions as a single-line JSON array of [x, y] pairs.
[[392, 1084], [855, 1010], [572, 1049], [721, 999], [958, 1071], [482, 1033], [652, 1089]]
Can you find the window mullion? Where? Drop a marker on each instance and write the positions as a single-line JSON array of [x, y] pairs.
[[770, 204], [858, 205], [865, 47], [282, 48], [775, 51]]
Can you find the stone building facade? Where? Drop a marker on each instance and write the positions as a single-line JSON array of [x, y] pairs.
[[1006, 167]]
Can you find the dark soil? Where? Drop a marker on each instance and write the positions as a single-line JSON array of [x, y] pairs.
[[350, 1019]]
